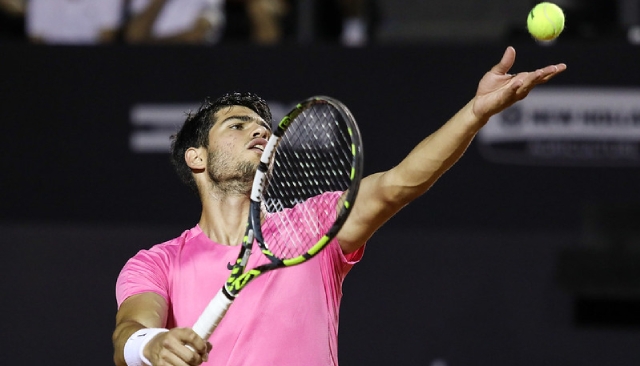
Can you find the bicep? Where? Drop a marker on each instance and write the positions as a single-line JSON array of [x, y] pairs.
[[148, 309]]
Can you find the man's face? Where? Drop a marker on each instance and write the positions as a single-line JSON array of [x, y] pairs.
[[236, 142]]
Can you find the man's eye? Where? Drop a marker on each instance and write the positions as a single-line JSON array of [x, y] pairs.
[[236, 126]]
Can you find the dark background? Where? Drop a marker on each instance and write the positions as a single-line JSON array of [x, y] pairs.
[[495, 265]]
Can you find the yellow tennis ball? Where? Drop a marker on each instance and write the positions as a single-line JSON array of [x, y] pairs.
[[545, 21]]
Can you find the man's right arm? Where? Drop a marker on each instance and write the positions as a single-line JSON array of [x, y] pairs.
[[149, 310]]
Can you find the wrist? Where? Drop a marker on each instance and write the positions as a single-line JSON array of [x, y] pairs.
[[477, 118], [134, 347]]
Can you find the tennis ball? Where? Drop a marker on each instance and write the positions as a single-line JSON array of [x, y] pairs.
[[545, 21]]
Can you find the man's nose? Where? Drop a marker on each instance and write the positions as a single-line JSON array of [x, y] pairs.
[[260, 131]]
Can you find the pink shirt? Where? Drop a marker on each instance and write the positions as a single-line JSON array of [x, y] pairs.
[[284, 317]]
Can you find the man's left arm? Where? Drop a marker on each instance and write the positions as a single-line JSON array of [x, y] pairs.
[[383, 194]]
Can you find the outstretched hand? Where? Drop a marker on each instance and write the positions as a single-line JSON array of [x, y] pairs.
[[498, 90]]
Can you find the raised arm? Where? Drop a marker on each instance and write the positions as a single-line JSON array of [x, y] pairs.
[[383, 194], [149, 310]]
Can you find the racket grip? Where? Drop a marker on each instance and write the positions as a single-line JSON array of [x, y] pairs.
[[212, 315]]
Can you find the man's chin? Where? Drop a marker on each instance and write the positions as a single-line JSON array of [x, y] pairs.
[[248, 168]]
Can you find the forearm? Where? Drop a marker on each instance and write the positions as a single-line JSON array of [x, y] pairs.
[[433, 156], [383, 194], [120, 336], [146, 310]]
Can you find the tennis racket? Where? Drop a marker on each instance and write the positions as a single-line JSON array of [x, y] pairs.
[[315, 149]]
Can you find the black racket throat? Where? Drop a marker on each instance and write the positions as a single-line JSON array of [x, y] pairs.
[[239, 278], [226, 293]]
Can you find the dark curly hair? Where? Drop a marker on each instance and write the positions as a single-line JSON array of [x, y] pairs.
[[195, 130]]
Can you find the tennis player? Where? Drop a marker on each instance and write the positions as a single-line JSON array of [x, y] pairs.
[[287, 317]]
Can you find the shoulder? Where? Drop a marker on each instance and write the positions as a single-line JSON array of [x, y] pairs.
[[169, 247], [150, 269], [164, 253]]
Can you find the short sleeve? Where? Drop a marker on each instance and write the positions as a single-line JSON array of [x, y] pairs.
[[325, 207], [147, 271]]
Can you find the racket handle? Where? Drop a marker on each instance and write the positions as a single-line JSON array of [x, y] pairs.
[[212, 315]]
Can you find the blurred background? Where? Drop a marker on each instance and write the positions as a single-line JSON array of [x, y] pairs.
[[527, 252]]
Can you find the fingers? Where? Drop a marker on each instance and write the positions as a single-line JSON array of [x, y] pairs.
[[193, 348], [524, 82], [505, 64], [559, 68], [173, 359], [498, 90], [182, 355], [180, 347], [191, 338]]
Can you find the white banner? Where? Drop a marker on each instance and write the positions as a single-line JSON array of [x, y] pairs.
[[567, 126]]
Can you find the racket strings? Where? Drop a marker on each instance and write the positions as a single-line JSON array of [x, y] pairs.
[[313, 157]]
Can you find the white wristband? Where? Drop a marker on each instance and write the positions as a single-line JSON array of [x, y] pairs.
[[133, 354]]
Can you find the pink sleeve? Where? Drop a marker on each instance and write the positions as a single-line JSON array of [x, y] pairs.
[[353, 258], [335, 264], [342, 263], [147, 271]]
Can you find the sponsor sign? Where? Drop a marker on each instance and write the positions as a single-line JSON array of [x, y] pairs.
[[567, 126]]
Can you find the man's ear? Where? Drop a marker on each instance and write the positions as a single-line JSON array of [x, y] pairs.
[[196, 158]]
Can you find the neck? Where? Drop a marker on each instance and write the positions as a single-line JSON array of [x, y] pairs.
[[224, 217]]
